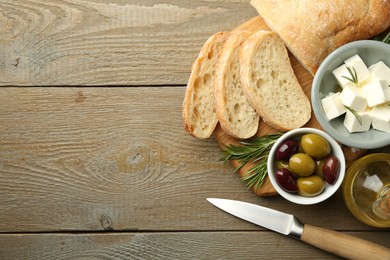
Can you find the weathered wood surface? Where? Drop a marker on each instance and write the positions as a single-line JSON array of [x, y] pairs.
[[79, 159], [117, 42], [102, 158], [165, 245], [109, 172]]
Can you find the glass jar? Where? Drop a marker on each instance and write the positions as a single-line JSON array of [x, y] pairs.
[[366, 189]]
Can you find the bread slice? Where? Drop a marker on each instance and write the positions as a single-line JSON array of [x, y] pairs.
[[311, 29], [270, 83], [234, 112], [199, 116]]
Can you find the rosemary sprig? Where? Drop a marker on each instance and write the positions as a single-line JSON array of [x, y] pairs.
[[359, 119], [256, 175], [353, 78], [255, 150], [386, 39], [381, 38]]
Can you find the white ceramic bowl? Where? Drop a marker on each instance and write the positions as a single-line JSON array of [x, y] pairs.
[[324, 82], [329, 189]]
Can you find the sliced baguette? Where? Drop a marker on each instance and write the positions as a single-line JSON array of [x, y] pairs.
[[234, 112], [199, 116], [270, 83]]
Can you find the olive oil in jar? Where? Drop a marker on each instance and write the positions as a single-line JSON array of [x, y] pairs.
[[366, 189]]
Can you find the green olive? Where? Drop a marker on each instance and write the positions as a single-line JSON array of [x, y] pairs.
[[302, 164], [310, 186], [315, 145], [320, 168]]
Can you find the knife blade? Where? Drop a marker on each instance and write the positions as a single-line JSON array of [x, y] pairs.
[[328, 240]]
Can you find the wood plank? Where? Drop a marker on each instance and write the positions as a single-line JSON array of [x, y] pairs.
[[119, 158], [172, 245], [104, 42]]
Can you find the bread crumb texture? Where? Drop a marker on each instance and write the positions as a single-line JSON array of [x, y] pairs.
[[199, 113], [275, 91], [235, 114]]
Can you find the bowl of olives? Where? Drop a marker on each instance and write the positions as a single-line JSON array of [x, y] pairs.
[[306, 166]]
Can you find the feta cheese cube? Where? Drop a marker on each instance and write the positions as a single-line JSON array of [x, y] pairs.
[[375, 92], [352, 97], [380, 117], [333, 106], [352, 123], [379, 71], [340, 73], [360, 67]]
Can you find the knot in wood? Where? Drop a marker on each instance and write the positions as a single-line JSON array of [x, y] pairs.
[[106, 222], [134, 159], [79, 97]]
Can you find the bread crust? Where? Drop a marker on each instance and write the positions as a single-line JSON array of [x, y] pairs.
[[234, 112], [198, 112], [271, 85], [312, 29]]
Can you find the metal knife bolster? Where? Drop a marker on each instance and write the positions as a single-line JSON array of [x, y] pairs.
[[296, 229]]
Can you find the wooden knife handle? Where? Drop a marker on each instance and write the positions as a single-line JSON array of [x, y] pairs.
[[343, 245]]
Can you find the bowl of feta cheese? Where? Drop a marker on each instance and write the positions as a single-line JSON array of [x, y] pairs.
[[351, 94]]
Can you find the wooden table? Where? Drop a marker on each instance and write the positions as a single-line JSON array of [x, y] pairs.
[[94, 160]]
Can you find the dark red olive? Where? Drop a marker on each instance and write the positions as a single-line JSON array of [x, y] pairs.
[[287, 149], [286, 180], [331, 169]]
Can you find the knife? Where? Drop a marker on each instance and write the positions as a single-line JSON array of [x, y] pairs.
[[331, 241]]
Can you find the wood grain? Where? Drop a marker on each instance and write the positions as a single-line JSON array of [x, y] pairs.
[[103, 159], [77, 42], [96, 159], [165, 245]]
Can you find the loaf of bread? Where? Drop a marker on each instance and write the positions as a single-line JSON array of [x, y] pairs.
[[270, 83], [234, 112], [311, 29], [199, 116]]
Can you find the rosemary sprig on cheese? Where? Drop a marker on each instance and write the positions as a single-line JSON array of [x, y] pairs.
[[358, 118], [354, 77], [254, 150]]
